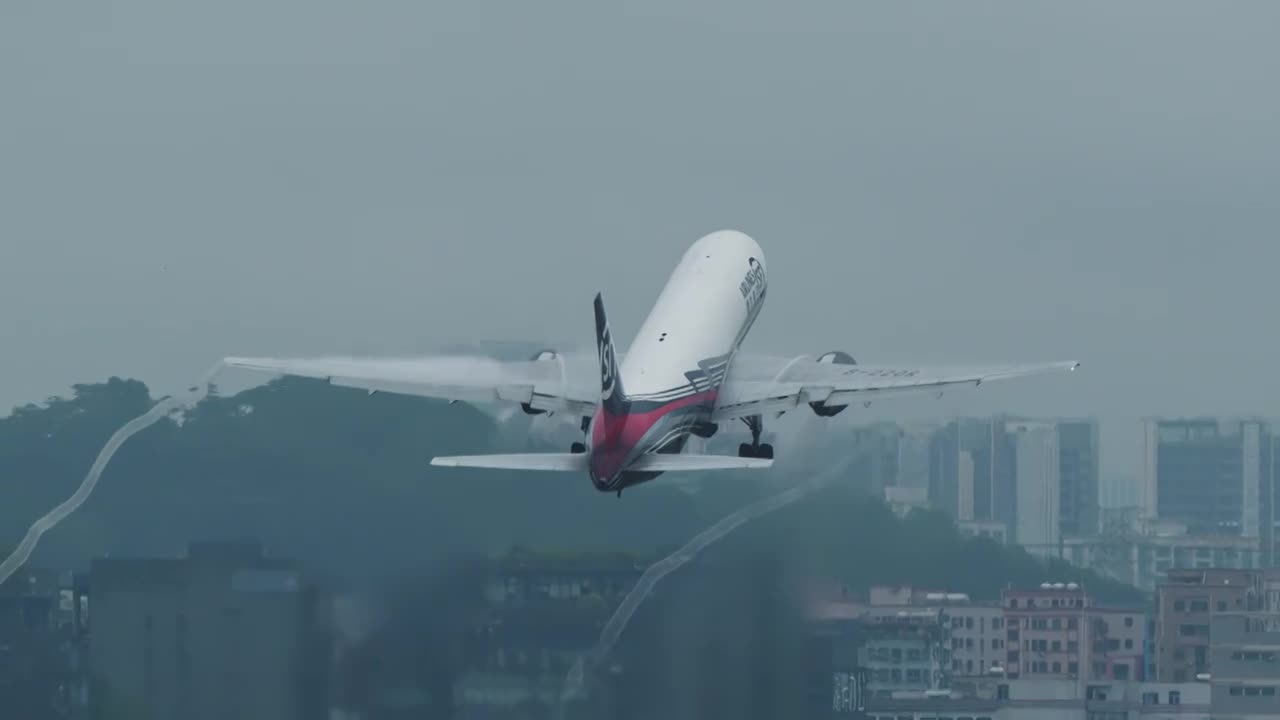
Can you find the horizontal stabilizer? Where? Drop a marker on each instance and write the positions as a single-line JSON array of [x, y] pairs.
[[553, 462], [577, 462], [663, 462]]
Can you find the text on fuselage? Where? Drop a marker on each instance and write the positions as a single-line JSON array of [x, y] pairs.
[[753, 284]]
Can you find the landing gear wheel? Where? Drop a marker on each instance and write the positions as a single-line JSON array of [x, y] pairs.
[[755, 449], [577, 448]]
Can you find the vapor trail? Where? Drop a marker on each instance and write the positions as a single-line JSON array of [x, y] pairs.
[[59, 513], [613, 629]]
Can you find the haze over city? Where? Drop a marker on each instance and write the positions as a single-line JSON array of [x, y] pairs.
[[969, 183]]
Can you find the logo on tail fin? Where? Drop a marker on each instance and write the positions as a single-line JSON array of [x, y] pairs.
[[609, 384], [608, 376]]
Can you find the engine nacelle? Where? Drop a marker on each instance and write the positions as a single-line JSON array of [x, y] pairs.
[[836, 357], [540, 356]]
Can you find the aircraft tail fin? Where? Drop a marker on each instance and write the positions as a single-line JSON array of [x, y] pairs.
[[612, 396]]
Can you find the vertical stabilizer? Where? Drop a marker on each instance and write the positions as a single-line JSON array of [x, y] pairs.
[[612, 397]]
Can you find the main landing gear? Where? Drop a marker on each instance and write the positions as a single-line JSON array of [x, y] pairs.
[[755, 449], [578, 448]]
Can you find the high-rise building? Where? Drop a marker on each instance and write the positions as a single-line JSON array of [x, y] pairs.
[[874, 448], [971, 471], [1036, 472], [1079, 473], [1039, 477], [914, 442], [1270, 508], [1212, 475]]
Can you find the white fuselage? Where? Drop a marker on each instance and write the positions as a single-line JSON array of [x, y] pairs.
[[672, 371]]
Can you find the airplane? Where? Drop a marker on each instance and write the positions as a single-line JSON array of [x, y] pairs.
[[683, 376]]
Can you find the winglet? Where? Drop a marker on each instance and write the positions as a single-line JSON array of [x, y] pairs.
[[612, 396]]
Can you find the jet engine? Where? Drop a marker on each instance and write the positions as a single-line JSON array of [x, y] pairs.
[[540, 356], [837, 357]]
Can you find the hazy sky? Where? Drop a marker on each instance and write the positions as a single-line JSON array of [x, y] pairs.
[[939, 182]]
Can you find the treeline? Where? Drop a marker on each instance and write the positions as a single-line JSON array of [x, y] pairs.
[[340, 479]]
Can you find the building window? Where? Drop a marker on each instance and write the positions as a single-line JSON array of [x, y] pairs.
[[1175, 697], [1073, 668], [1128, 622]]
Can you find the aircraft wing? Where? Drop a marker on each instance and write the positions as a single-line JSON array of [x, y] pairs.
[[758, 386], [547, 385]]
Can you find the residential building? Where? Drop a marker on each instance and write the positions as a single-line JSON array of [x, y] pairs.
[[1185, 604], [223, 632], [544, 611], [1049, 699], [904, 650], [1245, 655], [977, 640], [41, 646], [1047, 632], [1271, 590], [1058, 631], [1120, 650]]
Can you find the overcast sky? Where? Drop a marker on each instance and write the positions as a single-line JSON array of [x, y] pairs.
[[934, 182]]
